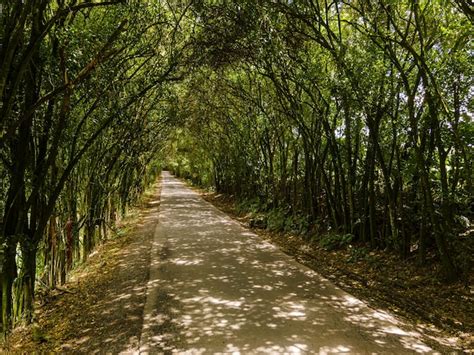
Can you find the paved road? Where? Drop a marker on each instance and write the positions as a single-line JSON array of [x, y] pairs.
[[217, 287]]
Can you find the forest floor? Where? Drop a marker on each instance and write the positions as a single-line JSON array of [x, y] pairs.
[[444, 313], [101, 306]]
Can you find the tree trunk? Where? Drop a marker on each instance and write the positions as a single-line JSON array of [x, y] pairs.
[[9, 273], [25, 289]]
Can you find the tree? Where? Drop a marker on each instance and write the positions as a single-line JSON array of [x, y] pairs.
[[345, 113], [73, 75]]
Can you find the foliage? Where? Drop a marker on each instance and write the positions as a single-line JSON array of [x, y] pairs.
[[82, 129], [347, 116], [354, 116], [332, 241]]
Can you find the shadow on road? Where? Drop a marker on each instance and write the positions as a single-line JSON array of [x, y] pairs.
[[226, 290]]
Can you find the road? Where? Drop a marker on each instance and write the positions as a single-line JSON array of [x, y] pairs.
[[216, 287]]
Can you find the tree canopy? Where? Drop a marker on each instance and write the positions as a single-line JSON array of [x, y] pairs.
[[349, 117]]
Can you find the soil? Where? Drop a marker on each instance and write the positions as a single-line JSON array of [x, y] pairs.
[[443, 312], [101, 306]]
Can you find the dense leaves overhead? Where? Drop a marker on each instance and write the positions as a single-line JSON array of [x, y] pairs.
[[345, 117], [351, 119]]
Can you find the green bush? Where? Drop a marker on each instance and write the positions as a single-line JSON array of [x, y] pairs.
[[335, 241], [276, 220], [248, 205], [357, 254]]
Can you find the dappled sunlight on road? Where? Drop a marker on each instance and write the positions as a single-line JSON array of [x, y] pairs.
[[216, 287]]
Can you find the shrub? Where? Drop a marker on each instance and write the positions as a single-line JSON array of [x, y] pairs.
[[335, 241]]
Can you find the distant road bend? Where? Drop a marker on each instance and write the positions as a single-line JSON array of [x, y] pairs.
[[217, 287]]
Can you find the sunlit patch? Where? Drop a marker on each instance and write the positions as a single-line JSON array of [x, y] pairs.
[[384, 316], [334, 350], [351, 301], [248, 234], [297, 348], [416, 346], [270, 349], [290, 310], [296, 314], [157, 319], [222, 323], [186, 320], [264, 287], [231, 349], [310, 273], [278, 272], [186, 262], [83, 340], [396, 331], [215, 301], [265, 246], [360, 318]]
